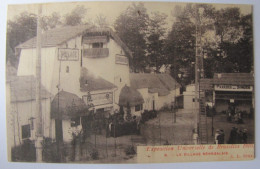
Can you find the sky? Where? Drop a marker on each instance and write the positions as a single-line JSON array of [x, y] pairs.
[[111, 10]]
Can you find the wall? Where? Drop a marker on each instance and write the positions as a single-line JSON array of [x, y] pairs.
[[163, 101], [108, 69], [22, 111], [9, 122], [27, 65], [68, 81], [189, 97]]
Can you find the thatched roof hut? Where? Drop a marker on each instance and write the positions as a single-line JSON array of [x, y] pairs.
[[67, 105], [130, 96]]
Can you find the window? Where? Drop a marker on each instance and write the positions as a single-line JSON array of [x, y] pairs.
[[97, 45], [75, 122], [26, 131], [67, 69], [139, 107]]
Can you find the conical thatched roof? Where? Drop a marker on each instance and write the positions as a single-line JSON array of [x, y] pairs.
[[130, 96], [67, 105]]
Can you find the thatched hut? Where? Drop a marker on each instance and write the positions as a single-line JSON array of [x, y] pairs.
[[66, 110], [130, 98]]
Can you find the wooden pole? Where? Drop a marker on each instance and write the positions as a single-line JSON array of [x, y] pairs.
[[39, 132]]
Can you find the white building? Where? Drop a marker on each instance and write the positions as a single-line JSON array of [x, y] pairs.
[[87, 62], [21, 115], [158, 90]]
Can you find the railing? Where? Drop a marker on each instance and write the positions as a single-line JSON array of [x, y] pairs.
[[95, 52]]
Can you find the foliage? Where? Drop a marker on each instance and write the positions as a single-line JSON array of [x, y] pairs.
[[18, 31], [147, 115], [50, 151], [156, 40], [131, 26], [130, 150], [225, 37], [76, 16], [124, 128], [25, 152], [94, 154]]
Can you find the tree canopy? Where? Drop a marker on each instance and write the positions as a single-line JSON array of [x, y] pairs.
[[225, 37]]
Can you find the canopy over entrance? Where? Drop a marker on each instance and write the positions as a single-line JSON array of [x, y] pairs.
[[130, 96], [67, 105]]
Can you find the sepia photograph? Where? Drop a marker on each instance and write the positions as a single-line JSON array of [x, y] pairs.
[[129, 82]]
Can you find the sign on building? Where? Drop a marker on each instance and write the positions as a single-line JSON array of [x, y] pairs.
[[245, 88], [99, 98], [121, 60], [66, 54]]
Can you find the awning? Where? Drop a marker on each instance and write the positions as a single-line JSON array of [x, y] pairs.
[[67, 105], [130, 96]]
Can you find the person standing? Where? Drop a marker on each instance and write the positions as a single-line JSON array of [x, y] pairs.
[[233, 136]]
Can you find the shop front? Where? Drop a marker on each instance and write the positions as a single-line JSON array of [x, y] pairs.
[[234, 91]]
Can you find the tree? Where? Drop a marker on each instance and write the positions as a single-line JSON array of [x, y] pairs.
[[50, 22], [76, 16], [156, 40], [225, 37], [101, 21], [131, 27], [18, 31]]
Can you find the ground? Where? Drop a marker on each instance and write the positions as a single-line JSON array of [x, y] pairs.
[[157, 131]]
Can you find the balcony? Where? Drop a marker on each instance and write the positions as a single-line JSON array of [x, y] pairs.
[[95, 52]]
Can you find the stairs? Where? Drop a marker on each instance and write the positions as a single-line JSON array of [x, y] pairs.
[[203, 130]]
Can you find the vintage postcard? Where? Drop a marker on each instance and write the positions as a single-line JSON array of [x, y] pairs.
[[130, 82]]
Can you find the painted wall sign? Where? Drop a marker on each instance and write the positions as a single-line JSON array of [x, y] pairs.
[[99, 99], [233, 88], [66, 54], [121, 60]]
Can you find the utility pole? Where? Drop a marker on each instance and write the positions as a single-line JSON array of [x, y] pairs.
[[197, 71], [39, 132]]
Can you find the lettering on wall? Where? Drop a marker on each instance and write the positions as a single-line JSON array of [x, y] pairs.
[[66, 54], [121, 60], [99, 98], [233, 88]]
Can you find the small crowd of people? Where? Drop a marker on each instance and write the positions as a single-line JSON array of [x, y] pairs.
[[237, 136]]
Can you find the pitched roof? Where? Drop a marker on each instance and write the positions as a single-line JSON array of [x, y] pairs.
[[67, 105], [57, 36], [23, 88], [91, 82], [169, 82], [60, 35], [156, 83], [131, 96], [233, 78]]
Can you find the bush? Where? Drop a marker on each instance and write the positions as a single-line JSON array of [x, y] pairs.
[[50, 151], [125, 128], [166, 107], [94, 154], [147, 115], [130, 150], [25, 152]]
